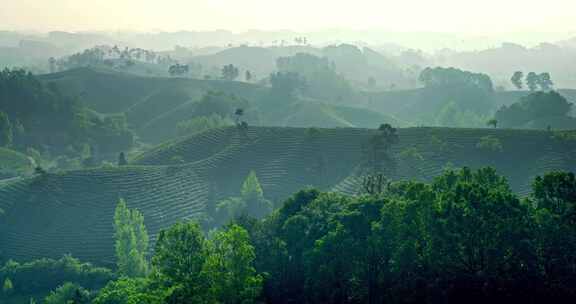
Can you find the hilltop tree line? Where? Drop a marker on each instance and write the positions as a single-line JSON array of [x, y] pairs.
[[108, 56], [533, 81], [464, 237], [537, 110]]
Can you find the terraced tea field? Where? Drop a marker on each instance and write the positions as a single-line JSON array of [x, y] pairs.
[[71, 212]]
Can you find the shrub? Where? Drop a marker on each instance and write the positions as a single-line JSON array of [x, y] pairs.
[[68, 293], [44, 275]]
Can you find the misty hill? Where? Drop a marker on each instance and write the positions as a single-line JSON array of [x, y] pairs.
[[110, 91], [423, 105], [356, 64], [154, 105], [501, 62], [71, 212]]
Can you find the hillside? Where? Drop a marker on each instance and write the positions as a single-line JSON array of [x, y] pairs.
[[109, 91], [154, 105], [71, 212], [408, 104]]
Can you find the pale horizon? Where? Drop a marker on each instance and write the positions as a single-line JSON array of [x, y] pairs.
[[488, 18]]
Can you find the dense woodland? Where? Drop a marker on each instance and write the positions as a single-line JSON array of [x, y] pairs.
[[463, 237]]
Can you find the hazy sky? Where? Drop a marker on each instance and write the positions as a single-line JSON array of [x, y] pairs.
[[470, 16]]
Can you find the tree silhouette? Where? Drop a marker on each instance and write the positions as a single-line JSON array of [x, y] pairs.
[[545, 81], [532, 81], [122, 159], [493, 123], [230, 72], [517, 79]]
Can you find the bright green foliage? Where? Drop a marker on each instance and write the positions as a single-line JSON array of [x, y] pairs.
[[131, 241], [230, 267], [7, 287], [466, 229], [556, 191], [253, 195], [464, 234], [6, 133], [188, 268], [480, 225], [44, 275], [179, 259], [68, 293], [251, 201], [130, 291]]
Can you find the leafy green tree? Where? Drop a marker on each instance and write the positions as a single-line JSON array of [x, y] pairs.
[[481, 225], [131, 291], [556, 191], [253, 195], [534, 107], [44, 275], [68, 293], [179, 258], [517, 79], [131, 241], [6, 132], [554, 195], [230, 267], [251, 201]]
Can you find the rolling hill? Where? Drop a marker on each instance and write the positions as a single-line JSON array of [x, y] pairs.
[[154, 105], [408, 105], [71, 212]]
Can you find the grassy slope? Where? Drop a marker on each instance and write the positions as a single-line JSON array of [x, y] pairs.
[[109, 91], [72, 212]]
